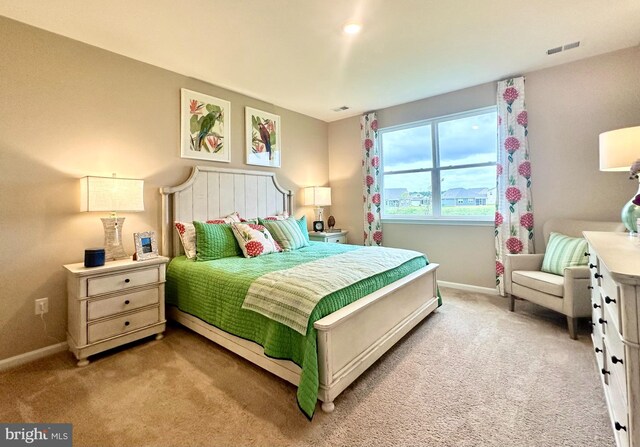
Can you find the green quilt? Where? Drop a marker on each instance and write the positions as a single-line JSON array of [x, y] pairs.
[[214, 291]]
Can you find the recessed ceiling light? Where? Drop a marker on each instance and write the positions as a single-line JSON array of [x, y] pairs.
[[352, 28]]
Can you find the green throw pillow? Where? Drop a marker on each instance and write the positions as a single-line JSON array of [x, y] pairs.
[[287, 233], [215, 241], [302, 223], [562, 252]]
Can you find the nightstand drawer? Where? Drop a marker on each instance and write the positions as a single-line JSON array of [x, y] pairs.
[[130, 301], [121, 325], [337, 239], [115, 283]]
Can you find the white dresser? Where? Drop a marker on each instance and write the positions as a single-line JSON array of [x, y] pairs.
[[113, 304], [614, 259]]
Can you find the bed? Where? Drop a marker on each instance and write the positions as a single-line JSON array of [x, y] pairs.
[[348, 340]]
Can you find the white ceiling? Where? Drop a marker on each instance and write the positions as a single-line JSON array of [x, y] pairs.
[[292, 53]]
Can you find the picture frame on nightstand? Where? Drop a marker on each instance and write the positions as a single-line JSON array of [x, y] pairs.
[[146, 245]]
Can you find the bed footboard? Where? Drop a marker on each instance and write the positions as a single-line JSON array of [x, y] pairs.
[[353, 338]]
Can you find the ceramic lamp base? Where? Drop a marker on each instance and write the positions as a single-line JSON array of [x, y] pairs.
[[113, 238], [630, 215]]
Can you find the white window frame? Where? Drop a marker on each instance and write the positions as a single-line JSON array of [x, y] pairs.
[[436, 198]]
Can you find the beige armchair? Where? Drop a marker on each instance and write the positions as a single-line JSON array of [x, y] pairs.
[[566, 294]]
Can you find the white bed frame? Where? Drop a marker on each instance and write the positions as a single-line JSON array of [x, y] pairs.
[[350, 339]]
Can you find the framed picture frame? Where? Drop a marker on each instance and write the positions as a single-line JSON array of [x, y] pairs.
[[146, 245], [205, 127], [263, 138]]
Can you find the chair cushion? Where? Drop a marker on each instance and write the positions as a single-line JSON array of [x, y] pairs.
[[542, 281], [562, 252]]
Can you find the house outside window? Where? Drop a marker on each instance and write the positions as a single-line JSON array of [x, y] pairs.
[[442, 169]]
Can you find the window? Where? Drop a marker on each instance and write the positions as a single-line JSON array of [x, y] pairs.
[[441, 169]]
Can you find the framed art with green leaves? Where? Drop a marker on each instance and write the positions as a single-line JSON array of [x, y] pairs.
[[205, 130], [263, 137]]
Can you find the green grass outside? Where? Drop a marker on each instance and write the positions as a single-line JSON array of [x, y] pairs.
[[473, 210]]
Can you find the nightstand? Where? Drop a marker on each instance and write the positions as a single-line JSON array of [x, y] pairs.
[[340, 238], [114, 304]]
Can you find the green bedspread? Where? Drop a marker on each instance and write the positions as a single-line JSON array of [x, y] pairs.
[[214, 291]]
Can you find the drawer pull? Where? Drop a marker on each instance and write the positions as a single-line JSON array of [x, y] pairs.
[[586, 253], [598, 350], [597, 275], [592, 323], [620, 427], [595, 306], [592, 266], [604, 372], [609, 300], [127, 280], [615, 360], [127, 302], [590, 287], [126, 323], [602, 321]]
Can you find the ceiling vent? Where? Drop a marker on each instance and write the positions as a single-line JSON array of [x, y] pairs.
[[340, 109], [566, 47]]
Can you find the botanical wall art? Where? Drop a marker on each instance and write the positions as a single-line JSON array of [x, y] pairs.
[[264, 142], [205, 127]]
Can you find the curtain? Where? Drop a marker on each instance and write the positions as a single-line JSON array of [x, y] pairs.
[[514, 210], [371, 179]]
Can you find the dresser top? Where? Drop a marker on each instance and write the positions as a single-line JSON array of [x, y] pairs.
[[113, 266], [619, 252]]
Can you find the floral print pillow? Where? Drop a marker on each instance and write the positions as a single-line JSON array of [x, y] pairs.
[[254, 240], [187, 232], [280, 216]]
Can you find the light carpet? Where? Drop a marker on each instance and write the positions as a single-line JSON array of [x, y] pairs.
[[472, 374]]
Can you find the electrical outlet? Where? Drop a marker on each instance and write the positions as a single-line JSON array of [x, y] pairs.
[[42, 306]]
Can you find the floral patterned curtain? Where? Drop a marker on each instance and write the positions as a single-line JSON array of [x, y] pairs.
[[371, 179], [514, 210]]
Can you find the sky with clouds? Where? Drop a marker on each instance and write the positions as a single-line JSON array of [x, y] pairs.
[[462, 141]]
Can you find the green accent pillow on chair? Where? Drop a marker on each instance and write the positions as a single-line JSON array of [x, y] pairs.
[[215, 241], [562, 252]]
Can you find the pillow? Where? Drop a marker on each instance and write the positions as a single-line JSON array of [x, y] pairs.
[[302, 223], [280, 216], [187, 232], [215, 241], [287, 233], [254, 240], [562, 252]]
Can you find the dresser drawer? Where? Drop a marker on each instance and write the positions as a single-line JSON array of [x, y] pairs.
[[122, 281], [615, 355], [121, 303], [598, 347], [620, 420], [611, 296], [121, 325]]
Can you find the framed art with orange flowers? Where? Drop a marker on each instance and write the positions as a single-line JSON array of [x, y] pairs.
[[205, 128], [263, 138]]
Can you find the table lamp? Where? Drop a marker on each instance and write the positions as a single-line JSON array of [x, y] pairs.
[[112, 194], [317, 196], [619, 149]]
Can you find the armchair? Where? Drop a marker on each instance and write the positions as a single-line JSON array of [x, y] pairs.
[[566, 294]]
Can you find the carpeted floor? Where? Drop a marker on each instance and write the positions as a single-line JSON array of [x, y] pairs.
[[472, 374]]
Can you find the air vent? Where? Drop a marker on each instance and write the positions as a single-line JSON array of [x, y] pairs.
[[340, 109], [565, 47]]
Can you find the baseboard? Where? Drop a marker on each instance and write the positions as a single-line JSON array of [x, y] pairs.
[[30, 356], [468, 287]]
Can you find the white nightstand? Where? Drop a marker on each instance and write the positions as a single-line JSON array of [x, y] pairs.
[[340, 238], [114, 304]]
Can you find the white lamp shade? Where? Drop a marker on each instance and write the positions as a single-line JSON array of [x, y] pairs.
[[111, 194], [619, 149], [317, 196]]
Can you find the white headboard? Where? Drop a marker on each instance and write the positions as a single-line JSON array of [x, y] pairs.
[[212, 192]]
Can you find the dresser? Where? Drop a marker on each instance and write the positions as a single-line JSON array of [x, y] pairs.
[[335, 237], [614, 260], [114, 304]]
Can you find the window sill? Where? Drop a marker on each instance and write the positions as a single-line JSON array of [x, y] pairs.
[[440, 221]]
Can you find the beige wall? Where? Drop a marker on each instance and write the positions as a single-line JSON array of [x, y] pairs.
[[568, 105], [68, 110]]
